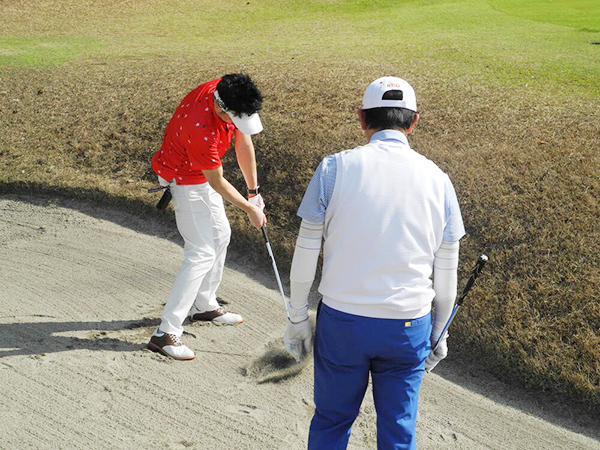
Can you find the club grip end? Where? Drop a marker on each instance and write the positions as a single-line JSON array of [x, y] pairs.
[[164, 200]]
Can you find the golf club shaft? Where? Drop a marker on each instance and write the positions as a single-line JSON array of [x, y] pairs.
[[264, 233], [475, 271]]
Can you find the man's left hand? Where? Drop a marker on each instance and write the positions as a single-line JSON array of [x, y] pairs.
[[258, 201]]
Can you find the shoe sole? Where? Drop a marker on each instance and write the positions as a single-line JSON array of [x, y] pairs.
[[215, 322], [157, 349], [223, 323]]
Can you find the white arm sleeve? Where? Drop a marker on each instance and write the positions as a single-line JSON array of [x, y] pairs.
[[304, 266], [445, 265]]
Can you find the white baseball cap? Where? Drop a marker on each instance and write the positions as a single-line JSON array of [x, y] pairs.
[[374, 95], [246, 123]]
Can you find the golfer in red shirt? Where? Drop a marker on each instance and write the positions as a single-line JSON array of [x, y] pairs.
[[189, 162]]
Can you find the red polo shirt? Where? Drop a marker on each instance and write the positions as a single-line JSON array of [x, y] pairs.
[[195, 139]]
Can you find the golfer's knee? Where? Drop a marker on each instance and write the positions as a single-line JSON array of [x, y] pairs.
[[199, 255]]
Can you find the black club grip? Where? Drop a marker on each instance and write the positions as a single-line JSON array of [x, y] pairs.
[[164, 200]]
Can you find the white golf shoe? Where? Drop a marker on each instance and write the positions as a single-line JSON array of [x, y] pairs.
[[218, 315], [170, 345]]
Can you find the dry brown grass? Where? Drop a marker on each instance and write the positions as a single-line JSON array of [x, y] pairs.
[[525, 167]]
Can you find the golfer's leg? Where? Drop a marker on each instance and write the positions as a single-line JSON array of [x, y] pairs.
[[206, 300], [396, 382], [341, 379], [193, 221]]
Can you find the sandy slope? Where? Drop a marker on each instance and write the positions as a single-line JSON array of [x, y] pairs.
[[82, 287]]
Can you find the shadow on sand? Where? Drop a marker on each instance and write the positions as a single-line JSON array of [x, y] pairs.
[[36, 338]]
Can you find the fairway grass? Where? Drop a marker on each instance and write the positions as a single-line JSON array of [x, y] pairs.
[[582, 15], [40, 52], [498, 41], [509, 101]]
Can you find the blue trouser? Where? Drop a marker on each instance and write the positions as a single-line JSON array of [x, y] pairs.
[[347, 349]]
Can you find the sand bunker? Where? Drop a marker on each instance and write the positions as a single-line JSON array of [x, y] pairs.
[[82, 288]]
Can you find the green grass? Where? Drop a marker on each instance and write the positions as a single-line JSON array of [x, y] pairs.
[[509, 100], [499, 41], [40, 52], [582, 15]]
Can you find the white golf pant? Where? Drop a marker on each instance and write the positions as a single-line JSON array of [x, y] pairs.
[[203, 224]]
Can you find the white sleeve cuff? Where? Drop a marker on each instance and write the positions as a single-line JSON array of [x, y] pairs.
[[297, 314]]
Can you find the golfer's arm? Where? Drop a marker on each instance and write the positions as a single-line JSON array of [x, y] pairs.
[[246, 158], [445, 266], [304, 264], [225, 188]]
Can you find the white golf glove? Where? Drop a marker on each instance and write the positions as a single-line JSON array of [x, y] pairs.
[[258, 201], [440, 353], [297, 339]]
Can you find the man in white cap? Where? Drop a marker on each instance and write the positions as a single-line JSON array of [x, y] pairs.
[[189, 163], [389, 219]]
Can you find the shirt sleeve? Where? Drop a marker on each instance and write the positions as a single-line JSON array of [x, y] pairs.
[[319, 191], [455, 228]]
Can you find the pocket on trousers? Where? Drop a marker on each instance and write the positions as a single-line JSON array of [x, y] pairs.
[[187, 201], [418, 336], [336, 316]]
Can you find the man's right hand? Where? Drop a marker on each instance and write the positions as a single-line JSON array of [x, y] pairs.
[[257, 217], [436, 356], [297, 339]]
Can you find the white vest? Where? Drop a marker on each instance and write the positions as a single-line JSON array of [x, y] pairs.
[[383, 225]]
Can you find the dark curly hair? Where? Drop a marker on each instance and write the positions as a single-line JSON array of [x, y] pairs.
[[240, 94]]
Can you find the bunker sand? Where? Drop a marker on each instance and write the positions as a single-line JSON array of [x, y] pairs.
[[82, 289]]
